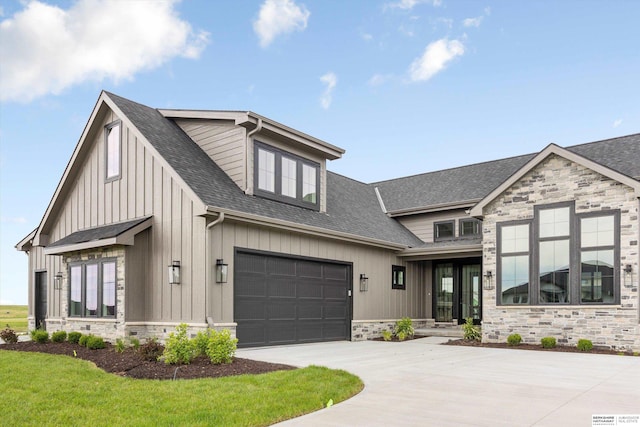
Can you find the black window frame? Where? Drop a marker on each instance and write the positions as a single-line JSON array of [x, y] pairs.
[[575, 251], [395, 282], [436, 236], [83, 288], [277, 193], [107, 129], [476, 223]]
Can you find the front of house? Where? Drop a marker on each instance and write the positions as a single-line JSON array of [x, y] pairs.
[[228, 219]]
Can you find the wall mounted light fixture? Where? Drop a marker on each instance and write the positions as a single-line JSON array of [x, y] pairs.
[[174, 273], [364, 283], [221, 271], [488, 280], [57, 283], [628, 275]]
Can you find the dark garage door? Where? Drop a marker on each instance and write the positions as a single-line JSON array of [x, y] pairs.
[[281, 300]]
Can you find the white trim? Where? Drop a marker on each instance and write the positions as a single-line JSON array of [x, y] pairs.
[[200, 325], [382, 206], [387, 320], [434, 208]]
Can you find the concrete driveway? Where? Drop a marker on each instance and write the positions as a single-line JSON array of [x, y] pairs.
[[422, 383]]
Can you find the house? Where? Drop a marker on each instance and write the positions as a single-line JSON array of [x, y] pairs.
[[228, 219]]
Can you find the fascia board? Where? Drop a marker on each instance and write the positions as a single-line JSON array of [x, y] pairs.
[[434, 208]]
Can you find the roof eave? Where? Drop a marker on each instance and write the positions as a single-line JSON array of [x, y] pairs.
[[27, 242], [434, 208]]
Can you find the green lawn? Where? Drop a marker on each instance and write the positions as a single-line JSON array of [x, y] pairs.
[[15, 316], [40, 389]]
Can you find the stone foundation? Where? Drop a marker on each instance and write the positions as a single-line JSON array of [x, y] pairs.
[[362, 330]]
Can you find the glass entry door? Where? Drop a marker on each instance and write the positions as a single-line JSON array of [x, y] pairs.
[[457, 291]]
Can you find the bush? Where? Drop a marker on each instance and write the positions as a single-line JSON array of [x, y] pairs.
[[59, 336], [471, 331], [514, 339], [585, 345], [120, 346], [8, 335], [386, 335], [40, 336], [404, 328], [135, 343], [548, 342], [94, 343], [221, 347], [83, 340], [74, 337], [201, 342], [151, 350], [178, 349]]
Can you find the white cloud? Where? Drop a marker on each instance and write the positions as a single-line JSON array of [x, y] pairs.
[[366, 37], [13, 220], [435, 58], [329, 79], [378, 79], [47, 49], [617, 123], [487, 11], [279, 17], [410, 4], [473, 22]]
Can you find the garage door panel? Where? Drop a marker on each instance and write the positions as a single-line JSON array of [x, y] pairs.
[[279, 300]]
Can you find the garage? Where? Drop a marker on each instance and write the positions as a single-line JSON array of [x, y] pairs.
[[283, 300]]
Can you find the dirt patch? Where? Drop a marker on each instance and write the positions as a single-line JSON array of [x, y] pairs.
[[131, 364], [559, 348]]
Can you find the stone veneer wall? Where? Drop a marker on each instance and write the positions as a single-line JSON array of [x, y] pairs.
[[559, 180], [362, 330]]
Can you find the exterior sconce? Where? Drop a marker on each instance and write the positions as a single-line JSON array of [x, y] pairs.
[[364, 283], [221, 271], [174, 273], [488, 280], [57, 284], [628, 275]]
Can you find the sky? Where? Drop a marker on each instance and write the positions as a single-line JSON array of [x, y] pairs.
[[404, 86]]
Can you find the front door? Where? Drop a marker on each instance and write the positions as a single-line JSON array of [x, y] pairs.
[[457, 291], [41, 298]]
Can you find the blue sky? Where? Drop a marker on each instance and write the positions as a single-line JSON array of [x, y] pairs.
[[405, 86]]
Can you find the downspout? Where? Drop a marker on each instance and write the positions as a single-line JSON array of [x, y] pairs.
[[258, 128], [207, 273]]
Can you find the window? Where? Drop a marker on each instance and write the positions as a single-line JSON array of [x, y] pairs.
[[470, 227], [92, 289], [572, 259], [398, 277], [443, 230], [286, 177], [112, 151]]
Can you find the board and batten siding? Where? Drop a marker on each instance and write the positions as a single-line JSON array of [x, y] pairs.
[[224, 143], [422, 224], [52, 265], [145, 188], [379, 302]]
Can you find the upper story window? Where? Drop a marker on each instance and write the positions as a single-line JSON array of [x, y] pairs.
[[398, 277], [112, 150], [92, 289], [572, 259], [470, 227], [443, 230], [286, 177]]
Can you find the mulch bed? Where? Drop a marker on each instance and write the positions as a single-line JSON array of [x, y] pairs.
[[395, 339], [559, 348], [131, 364]]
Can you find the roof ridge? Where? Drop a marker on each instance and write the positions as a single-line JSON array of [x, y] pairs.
[[603, 140]]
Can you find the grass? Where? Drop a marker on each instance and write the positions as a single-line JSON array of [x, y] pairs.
[[59, 390], [15, 316]]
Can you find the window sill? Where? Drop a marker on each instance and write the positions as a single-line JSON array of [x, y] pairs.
[[91, 319], [563, 306]]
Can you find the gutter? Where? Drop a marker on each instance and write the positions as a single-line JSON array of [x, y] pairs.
[[249, 146], [212, 224]]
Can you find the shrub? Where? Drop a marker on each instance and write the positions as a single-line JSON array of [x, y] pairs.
[[514, 339], [548, 342], [59, 336], [94, 342], [8, 335], [151, 350], [386, 335], [178, 349], [135, 343], [221, 347], [40, 336], [83, 340], [201, 342], [585, 345], [120, 346], [404, 328], [471, 331], [74, 337]]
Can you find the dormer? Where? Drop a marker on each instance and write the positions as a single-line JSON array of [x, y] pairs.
[[263, 157]]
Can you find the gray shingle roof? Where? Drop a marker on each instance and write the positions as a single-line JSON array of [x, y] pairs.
[[97, 233], [475, 181], [352, 206]]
